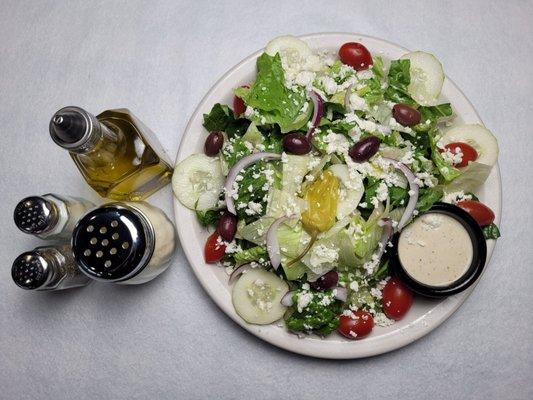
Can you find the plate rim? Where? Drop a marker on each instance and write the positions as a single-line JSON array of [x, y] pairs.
[[316, 348]]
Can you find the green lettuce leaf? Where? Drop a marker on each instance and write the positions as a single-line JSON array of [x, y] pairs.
[[221, 118], [209, 217], [470, 178], [491, 231], [321, 315], [257, 253], [377, 67], [218, 118], [446, 170], [399, 79], [430, 116], [289, 239], [274, 102], [428, 197]]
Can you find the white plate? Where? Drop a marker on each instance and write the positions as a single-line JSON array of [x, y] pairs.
[[424, 316]]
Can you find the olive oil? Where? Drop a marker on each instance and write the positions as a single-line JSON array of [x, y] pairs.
[[117, 154]]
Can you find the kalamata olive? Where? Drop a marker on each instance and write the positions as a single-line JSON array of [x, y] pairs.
[[364, 149], [327, 281], [405, 115], [227, 226], [213, 143], [296, 143]]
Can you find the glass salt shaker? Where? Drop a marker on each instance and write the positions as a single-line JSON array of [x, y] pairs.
[[124, 242], [50, 216], [47, 268]]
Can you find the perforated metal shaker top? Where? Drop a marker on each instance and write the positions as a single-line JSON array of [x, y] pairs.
[[30, 270], [112, 242], [35, 215]]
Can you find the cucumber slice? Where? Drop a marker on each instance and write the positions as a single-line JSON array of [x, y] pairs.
[[352, 187], [477, 136], [257, 297], [288, 44], [198, 181], [427, 77]]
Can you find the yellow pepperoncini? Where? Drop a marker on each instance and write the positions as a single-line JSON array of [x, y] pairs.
[[322, 197]]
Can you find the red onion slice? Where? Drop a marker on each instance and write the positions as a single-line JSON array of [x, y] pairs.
[[238, 272], [272, 242], [318, 109], [413, 190], [341, 293], [287, 299], [234, 171]]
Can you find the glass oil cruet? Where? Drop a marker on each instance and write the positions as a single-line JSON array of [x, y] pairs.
[[119, 157]]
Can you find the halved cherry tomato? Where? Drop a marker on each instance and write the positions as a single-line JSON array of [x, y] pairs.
[[214, 249], [396, 300], [357, 326], [469, 153], [355, 55], [480, 212], [238, 104]]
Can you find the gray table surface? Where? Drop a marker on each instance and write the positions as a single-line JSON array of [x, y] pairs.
[[167, 339]]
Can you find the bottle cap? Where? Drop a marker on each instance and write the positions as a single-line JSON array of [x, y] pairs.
[[35, 215], [72, 128], [32, 270], [113, 242]]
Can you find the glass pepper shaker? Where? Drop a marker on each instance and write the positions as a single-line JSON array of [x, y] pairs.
[[124, 243], [47, 268], [50, 216]]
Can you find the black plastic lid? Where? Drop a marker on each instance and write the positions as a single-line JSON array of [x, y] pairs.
[[110, 243], [479, 246], [30, 270]]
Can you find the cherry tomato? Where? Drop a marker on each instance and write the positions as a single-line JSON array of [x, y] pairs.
[[214, 250], [238, 105], [469, 153], [396, 300], [480, 212], [357, 326], [355, 55]]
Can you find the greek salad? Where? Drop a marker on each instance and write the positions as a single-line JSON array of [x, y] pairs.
[[315, 165]]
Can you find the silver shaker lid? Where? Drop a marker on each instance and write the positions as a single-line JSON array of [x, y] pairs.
[[35, 215], [32, 270], [113, 242]]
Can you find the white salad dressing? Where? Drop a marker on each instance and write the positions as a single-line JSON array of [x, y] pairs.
[[435, 249]]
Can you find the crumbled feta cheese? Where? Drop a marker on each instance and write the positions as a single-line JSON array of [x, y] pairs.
[[454, 197], [303, 300], [254, 208]]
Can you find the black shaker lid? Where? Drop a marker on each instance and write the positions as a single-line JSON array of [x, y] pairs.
[[30, 270], [35, 214], [112, 243]]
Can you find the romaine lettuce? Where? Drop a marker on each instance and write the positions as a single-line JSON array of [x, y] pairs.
[[274, 102]]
